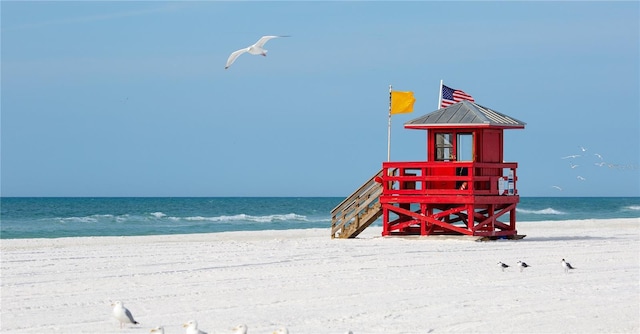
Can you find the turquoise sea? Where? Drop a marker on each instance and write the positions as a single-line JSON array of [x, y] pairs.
[[55, 217]]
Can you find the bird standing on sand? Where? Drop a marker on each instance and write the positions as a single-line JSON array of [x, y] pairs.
[[503, 266], [122, 314], [522, 265], [192, 327], [240, 329], [566, 265], [157, 330], [255, 49]]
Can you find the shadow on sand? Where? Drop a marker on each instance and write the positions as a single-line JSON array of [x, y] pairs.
[[568, 238]]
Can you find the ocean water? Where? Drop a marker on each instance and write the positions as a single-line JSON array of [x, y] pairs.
[[71, 217]]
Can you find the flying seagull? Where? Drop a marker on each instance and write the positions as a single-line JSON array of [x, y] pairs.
[[571, 156], [255, 49], [557, 187]]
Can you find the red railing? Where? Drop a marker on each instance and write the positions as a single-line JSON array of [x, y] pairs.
[[448, 178]]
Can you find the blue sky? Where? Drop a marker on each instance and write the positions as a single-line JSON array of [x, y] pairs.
[[132, 98]]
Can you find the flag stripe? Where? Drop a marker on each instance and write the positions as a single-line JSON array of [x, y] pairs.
[[451, 96]]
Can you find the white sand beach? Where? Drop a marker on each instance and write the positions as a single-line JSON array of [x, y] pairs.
[[304, 280]]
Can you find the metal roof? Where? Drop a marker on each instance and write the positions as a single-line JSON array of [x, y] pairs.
[[464, 113]]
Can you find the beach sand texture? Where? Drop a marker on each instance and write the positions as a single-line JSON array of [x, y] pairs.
[[310, 283]]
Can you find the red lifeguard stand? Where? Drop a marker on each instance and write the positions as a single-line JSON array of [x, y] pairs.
[[464, 187]]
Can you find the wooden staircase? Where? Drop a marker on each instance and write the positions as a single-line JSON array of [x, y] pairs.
[[358, 211]]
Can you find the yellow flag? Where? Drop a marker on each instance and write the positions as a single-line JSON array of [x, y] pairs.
[[402, 102]]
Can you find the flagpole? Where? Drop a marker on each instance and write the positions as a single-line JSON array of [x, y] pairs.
[[389, 129], [440, 95]]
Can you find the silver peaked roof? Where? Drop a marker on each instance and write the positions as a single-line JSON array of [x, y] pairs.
[[465, 113]]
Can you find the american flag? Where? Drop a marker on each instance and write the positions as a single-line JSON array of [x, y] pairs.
[[451, 96]]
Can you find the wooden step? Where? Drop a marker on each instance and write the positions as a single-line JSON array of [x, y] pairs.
[[357, 211], [364, 220]]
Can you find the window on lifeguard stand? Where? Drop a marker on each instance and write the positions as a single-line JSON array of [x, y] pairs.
[[464, 146], [464, 152], [444, 147]]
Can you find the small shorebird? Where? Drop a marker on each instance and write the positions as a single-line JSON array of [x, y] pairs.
[[522, 265], [503, 266], [192, 327], [281, 330], [122, 314], [240, 329], [566, 265]]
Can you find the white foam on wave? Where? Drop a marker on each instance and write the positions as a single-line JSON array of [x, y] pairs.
[[158, 214], [122, 218], [547, 211], [93, 219], [632, 208], [245, 217], [86, 219], [78, 220]]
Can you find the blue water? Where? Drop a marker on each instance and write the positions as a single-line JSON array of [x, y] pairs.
[[72, 217]]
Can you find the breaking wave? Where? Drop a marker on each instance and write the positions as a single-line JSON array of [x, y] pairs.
[[92, 219], [547, 211], [245, 218], [632, 208], [160, 216]]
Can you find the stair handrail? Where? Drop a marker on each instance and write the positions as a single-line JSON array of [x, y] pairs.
[[348, 209]]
